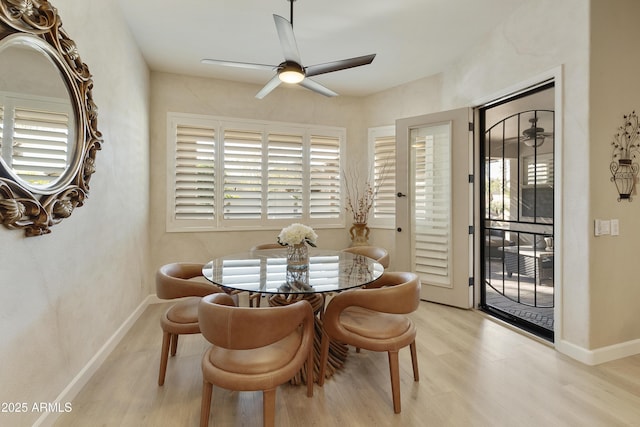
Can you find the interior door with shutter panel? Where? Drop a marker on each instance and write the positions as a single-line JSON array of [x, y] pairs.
[[434, 204]]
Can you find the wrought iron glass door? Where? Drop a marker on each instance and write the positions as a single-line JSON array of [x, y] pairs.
[[517, 211]]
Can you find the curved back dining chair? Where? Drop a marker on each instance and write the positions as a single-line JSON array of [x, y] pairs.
[[255, 349], [175, 280], [375, 319], [379, 254]]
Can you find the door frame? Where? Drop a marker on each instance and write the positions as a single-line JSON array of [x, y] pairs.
[[556, 75]]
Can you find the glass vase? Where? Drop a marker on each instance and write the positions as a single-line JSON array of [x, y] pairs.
[[298, 265]]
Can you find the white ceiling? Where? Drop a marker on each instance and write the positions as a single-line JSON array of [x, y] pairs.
[[412, 38]]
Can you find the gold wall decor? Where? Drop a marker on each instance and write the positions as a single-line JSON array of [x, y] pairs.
[[623, 166], [48, 120]]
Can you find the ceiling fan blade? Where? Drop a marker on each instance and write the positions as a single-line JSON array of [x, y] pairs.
[[317, 87], [343, 64], [271, 85], [239, 64], [287, 39]]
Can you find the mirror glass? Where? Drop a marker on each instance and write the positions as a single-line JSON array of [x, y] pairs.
[[37, 120]]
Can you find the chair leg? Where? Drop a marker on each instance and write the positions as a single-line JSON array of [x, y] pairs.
[[255, 296], [394, 370], [164, 355], [205, 409], [414, 361], [324, 356], [310, 371], [269, 407], [174, 344]]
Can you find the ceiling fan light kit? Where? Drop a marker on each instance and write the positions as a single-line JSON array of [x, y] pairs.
[[291, 70]]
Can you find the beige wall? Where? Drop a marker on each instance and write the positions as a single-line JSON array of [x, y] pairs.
[[176, 93], [66, 293], [615, 91]]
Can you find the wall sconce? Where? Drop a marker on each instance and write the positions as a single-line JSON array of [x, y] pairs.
[[626, 146]]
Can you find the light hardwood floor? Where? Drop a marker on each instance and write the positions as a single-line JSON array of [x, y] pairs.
[[473, 372]]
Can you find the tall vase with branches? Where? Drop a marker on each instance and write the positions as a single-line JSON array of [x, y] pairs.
[[360, 195]]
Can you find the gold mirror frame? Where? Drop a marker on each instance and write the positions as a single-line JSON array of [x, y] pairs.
[[22, 207]]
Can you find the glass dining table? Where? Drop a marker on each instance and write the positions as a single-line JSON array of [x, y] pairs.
[[264, 272]]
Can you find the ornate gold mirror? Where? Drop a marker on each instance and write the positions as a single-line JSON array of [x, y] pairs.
[[48, 121]]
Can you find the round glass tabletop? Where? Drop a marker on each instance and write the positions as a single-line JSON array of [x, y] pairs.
[[265, 271]]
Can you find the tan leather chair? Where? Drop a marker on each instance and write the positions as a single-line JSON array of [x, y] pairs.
[[175, 281], [374, 319], [254, 349], [379, 254]]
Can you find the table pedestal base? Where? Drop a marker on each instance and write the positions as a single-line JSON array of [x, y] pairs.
[[337, 352]]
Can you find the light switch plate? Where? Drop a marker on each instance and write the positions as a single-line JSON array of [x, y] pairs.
[[615, 227], [602, 227]]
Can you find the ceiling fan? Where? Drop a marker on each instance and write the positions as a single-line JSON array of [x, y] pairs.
[[532, 136], [291, 70]]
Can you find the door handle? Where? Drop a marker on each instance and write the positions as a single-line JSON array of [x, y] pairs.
[[399, 194]]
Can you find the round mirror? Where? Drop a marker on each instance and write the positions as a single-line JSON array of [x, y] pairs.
[[48, 120], [38, 140]]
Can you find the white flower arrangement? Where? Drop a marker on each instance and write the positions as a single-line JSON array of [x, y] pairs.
[[297, 233]]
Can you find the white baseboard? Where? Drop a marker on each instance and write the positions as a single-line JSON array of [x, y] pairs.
[[599, 355], [49, 418]]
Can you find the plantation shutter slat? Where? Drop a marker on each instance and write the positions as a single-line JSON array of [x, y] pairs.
[[433, 208], [324, 177], [242, 174], [194, 196]]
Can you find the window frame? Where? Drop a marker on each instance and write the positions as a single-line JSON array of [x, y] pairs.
[[219, 125]]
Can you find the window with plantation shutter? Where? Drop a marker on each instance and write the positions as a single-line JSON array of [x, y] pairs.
[[261, 174], [34, 138], [284, 176], [432, 194], [195, 177], [242, 159], [324, 177], [382, 145], [538, 170]]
